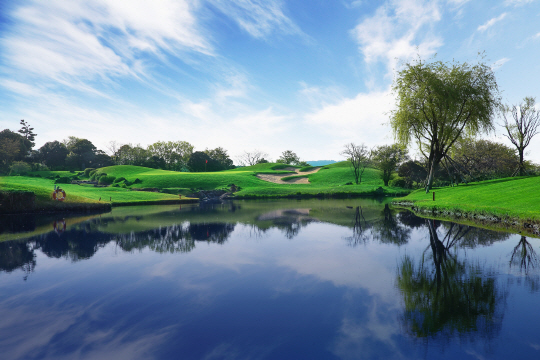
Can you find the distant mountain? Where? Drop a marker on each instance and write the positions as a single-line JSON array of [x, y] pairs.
[[321, 162]]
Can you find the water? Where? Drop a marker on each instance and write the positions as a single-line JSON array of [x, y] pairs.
[[310, 279]]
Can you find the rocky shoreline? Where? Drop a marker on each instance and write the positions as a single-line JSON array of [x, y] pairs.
[[493, 221]]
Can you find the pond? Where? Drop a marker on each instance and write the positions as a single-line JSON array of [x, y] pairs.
[[283, 279]]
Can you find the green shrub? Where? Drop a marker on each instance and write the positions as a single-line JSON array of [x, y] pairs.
[[106, 180], [398, 182], [63, 180], [137, 181], [121, 178], [87, 171], [19, 168]]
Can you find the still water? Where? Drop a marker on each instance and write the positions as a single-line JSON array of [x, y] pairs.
[[309, 279]]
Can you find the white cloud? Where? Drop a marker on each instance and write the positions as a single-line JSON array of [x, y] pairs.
[[258, 18], [517, 2], [458, 3], [77, 41], [362, 119], [497, 64], [491, 22], [392, 34]]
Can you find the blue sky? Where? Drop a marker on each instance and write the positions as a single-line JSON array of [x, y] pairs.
[[308, 76]]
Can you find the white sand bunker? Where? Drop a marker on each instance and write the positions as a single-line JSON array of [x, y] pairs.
[[277, 178]]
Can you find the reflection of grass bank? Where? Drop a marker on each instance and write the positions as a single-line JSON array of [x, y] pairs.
[[259, 214], [507, 202]]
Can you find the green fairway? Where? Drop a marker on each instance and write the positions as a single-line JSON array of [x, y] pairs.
[[330, 180], [510, 197]]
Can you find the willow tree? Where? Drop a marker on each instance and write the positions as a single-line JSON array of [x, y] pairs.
[[438, 102]]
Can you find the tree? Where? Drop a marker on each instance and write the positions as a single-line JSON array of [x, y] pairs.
[[288, 157], [81, 152], [132, 155], [101, 159], [53, 154], [249, 158], [437, 103], [358, 157], [113, 146], [387, 158], [175, 153], [220, 155], [523, 126], [27, 133], [200, 161], [412, 172], [13, 147], [485, 159]]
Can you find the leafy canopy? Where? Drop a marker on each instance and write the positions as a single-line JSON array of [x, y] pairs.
[[439, 102]]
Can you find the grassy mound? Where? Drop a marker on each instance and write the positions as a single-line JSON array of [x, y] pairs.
[[510, 197]]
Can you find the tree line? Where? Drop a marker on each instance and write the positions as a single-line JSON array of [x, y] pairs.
[[443, 108], [18, 155]]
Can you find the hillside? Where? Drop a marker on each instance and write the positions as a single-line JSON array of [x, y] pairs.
[[330, 180]]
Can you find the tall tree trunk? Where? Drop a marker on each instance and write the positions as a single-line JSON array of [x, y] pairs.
[[521, 168], [434, 163]]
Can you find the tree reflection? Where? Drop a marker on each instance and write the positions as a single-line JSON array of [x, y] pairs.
[[389, 230], [444, 295], [524, 256], [290, 221], [17, 255], [360, 227]]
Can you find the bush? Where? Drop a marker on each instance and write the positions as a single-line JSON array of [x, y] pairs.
[[398, 182], [63, 180], [106, 180], [39, 167], [87, 171], [19, 168], [137, 181], [121, 178]]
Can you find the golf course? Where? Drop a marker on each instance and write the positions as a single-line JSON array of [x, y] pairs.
[[160, 186]]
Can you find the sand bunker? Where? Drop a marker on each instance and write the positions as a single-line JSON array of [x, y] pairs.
[[277, 178]]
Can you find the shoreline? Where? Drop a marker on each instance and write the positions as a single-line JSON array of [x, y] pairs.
[[480, 218]]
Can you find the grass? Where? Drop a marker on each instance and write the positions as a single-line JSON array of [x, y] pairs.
[[77, 195], [505, 198], [331, 180]]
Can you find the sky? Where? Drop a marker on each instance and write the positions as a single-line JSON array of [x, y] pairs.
[[303, 75]]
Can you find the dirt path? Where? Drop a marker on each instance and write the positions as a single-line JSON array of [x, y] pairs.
[[277, 178]]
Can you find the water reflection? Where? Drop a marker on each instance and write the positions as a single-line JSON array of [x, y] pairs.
[[17, 255], [386, 228], [267, 280], [524, 257], [445, 295]]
